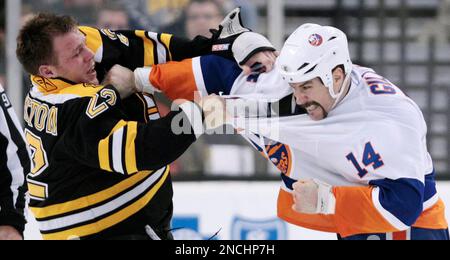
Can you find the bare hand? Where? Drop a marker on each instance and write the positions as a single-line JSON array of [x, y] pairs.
[[9, 233], [266, 60], [215, 111], [122, 79], [305, 197]]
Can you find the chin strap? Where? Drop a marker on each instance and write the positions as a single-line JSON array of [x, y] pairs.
[[344, 89]]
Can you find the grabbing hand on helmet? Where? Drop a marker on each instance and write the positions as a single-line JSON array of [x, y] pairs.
[[254, 53], [260, 62]]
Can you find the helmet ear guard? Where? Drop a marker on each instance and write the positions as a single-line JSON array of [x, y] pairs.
[[314, 51]]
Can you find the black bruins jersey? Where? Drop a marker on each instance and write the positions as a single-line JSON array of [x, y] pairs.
[[99, 162]]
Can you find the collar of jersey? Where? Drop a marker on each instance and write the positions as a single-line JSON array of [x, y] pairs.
[[51, 86]]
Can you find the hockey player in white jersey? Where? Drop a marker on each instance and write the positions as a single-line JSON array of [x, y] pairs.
[[352, 149], [368, 133]]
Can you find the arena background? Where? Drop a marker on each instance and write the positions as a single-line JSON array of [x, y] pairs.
[[405, 40]]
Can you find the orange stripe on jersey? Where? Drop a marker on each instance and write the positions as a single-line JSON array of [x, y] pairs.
[[315, 222], [175, 79], [356, 213], [358, 217], [152, 111], [433, 218]]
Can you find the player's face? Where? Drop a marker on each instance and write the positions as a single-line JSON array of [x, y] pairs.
[[200, 18], [75, 61], [113, 20], [314, 97]]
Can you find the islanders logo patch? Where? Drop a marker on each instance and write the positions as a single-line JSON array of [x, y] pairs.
[[315, 40], [279, 154]]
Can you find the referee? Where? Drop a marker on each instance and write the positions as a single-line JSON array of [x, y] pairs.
[[14, 166]]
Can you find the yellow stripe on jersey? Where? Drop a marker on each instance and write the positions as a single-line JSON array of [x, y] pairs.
[[166, 38], [153, 110], [119, 125], [109, 221], [149, 58], [130, 150], [36, 190], [93, 38], [61, 87], [103, 155], [144, 103], [104, 150], [84, 202], [82, 90]]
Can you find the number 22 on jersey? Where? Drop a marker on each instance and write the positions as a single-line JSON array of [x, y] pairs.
[[370, 158]]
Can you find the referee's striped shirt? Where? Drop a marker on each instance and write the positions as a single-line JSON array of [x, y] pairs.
[[14, 166]]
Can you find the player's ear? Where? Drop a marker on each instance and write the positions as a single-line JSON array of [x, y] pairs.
[[338, 75], [338, 78], [47, 71]]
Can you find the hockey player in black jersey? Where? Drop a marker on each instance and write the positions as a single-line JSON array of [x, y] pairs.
[[101, 151]]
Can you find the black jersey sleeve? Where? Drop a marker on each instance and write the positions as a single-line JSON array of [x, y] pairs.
[[103, 137]]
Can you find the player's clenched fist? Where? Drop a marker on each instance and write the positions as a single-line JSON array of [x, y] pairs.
[[215, 112], [313, 197], [122, 79]]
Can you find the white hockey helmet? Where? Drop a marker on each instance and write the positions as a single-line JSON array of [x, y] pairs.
[[313, 51]]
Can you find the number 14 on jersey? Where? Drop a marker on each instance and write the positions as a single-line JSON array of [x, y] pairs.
[[370, 157]]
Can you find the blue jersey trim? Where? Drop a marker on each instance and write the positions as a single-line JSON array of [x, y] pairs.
[[403, 198], [219, 74]]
